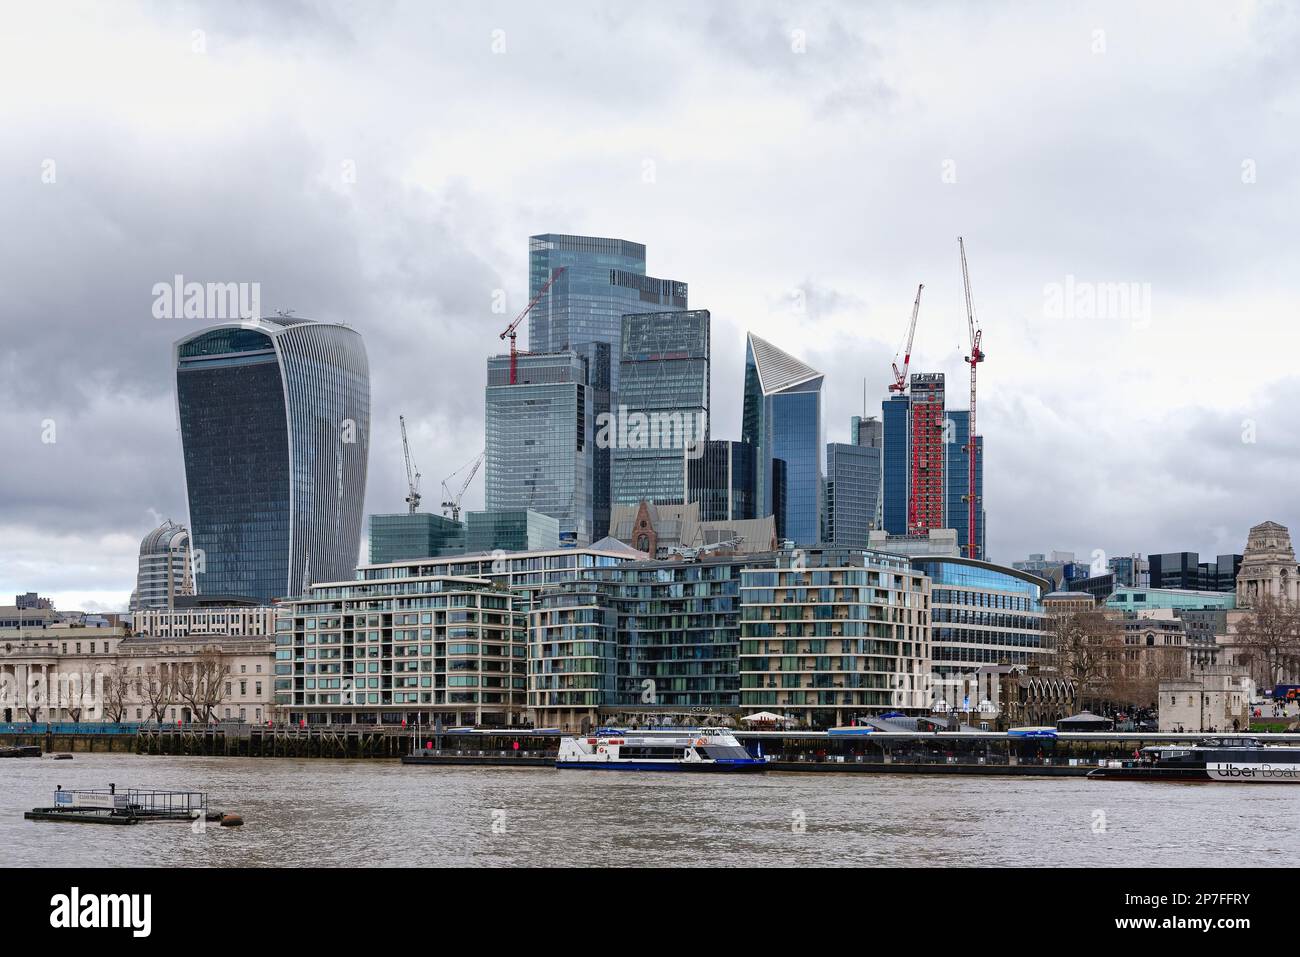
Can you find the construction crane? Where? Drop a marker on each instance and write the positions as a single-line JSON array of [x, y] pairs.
[[513, 328], [412, 473], [900, 377], [452, 502], [972, 446]]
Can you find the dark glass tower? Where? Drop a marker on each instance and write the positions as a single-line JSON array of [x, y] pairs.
[[958, 479], [783, 420], [897, 467], [722, 481], [274, 420]]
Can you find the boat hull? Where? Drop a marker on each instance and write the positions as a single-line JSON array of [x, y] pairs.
[[720, 767], [1238, 773]]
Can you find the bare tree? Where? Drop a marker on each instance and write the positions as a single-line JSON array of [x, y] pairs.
[[200, 684], [159, 690], [1089, 651], [1269, 639], [117, 685]]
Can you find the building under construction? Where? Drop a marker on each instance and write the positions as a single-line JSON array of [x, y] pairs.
[[933, 462]]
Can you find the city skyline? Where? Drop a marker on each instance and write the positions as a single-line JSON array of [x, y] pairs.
[[1098, 439]]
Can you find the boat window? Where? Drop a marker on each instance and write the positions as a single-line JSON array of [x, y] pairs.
[[630, 752], [724, 752]]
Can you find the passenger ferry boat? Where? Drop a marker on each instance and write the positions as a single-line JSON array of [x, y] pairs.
[[698, 749], [1213, 759]]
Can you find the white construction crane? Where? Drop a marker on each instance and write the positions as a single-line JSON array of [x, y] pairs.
[[412, 474], [899, 384], [452, 502]]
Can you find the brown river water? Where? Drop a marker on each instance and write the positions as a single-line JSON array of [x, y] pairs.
[[301, 812]]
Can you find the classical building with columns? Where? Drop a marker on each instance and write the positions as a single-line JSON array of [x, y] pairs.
[[89, 674], [1268, 572], [1268, 566]]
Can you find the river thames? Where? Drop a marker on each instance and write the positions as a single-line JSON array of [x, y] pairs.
[[366, 813]]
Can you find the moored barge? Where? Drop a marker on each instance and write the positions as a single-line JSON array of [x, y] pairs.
[[1213, 759]]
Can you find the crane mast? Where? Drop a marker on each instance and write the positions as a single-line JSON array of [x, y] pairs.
[[452, 502], [972, 446], [412, 474], [899, 384], [513, 328]]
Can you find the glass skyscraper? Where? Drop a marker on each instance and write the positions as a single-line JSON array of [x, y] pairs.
[[603, 281], [722, 481], [663, 405], [783, 420], [897, 466], [852, 493], [958, 481], [274, 418], [539, 440]]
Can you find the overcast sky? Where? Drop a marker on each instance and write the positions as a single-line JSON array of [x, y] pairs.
[[801, 166]]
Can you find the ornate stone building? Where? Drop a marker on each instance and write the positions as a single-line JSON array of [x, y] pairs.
[[1268, 567]]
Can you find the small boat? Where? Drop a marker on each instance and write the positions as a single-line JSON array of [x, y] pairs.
[[695, 749], [1212, 759]]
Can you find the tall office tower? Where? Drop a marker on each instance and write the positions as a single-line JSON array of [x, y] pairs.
[[539, 440], [926, 506], [663, 405], [165, 568], [275, 425], [896, 465], [867, 431], [958, 479], [852, 493], [597, 357], [721, 480], [783, 420], [603, 281]]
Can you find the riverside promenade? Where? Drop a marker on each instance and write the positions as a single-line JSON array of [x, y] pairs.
[[945, 752]]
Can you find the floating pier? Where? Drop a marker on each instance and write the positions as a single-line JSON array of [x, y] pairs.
[[132, 806]]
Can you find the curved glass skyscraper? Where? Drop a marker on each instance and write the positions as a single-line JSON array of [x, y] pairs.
[[274, 419]]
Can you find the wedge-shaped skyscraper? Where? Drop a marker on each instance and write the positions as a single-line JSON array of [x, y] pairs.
[[783, 421], [274, 418]]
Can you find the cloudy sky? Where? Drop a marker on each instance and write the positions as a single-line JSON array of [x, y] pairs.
[[801, 165]]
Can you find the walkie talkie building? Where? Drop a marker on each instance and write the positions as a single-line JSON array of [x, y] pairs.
[[274, 417]]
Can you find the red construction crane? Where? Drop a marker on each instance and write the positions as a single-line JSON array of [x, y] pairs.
[[972, 446], [513, 328], [900, 378]]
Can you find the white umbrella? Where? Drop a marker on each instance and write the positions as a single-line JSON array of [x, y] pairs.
[[764, 716]]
